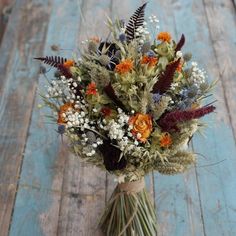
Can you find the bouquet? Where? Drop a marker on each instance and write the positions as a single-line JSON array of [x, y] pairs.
[[129, 105]]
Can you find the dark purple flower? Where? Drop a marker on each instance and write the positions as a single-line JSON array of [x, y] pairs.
[[170, 120], [111, 156]]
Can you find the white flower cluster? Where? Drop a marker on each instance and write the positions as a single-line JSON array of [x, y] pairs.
[[115, 128], [57, 87], [198, 76], [80, 120], [174, 86], [84, 42], [142, 33], [63, 88], [153, 19]]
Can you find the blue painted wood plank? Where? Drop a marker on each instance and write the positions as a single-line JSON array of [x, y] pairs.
[[221, 14], [222, 25], [44, 160], [4, 6], [217, 183], [23, 38]]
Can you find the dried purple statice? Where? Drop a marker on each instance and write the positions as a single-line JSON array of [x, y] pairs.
[[170, 120], [180, 44], [166, 79]]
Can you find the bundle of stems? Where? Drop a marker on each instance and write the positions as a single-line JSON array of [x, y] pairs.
[[129, 213]]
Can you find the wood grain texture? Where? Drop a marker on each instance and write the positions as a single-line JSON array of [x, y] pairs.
[[213, 192], [60, 195], [38, 200], [218, 183], [215, 186], [23, 39], [221, 19], [4, 5]]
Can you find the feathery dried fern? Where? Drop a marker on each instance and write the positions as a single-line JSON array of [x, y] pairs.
[[135, 21], [54, 61]]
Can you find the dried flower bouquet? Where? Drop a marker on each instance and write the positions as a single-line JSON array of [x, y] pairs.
[[129, 105]]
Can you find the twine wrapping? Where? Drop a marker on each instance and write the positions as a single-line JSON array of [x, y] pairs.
[[129, 207], [132, 187]]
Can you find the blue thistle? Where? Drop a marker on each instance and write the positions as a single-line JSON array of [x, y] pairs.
[[61, 129], [150, 53], [122, 37], [156, 97]]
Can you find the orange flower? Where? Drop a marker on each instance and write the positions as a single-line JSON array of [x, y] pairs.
[[124, 67], [91, 89], [142, 126], [164, 36], [165, 140], [63, 109], [151, 61], [68, 64]]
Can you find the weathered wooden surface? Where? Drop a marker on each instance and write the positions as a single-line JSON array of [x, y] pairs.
[[46, 191], [24, 37], [5, 10]]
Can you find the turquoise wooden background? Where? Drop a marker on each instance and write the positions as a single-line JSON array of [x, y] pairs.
[[45, 191]]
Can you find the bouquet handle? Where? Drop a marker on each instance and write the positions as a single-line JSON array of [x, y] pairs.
[[129, 211]]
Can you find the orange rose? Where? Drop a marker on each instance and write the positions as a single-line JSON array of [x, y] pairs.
[[142, 126], [63, 109]]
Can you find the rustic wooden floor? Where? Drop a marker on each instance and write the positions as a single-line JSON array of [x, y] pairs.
[[44, 191]]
